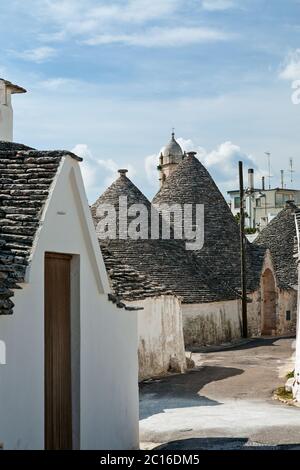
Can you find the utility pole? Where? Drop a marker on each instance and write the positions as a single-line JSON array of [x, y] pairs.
[[268, 154], [243, 253]]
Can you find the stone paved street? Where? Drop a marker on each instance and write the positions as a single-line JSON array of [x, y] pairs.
[[225, 402]]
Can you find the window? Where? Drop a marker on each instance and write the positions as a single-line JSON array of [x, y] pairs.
[[237, 202], [288, 315], [281, 198], [258, 202]]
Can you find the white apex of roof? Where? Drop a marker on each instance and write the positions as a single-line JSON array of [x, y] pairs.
[[59, 227]]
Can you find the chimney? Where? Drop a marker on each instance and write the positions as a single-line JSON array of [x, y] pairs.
[[263, 183], [6, 111], [251, 179], [123, 172], [282, 178]]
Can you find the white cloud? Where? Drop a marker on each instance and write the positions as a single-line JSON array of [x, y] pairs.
[[217, 5], [87, 166], [137, 11], [221, 162], [60, 84], [58, 123], [162, 37], [128, 22], [188, 146], [290, 70], [98, 174], [227, 155], [82, 16], [38, 55]]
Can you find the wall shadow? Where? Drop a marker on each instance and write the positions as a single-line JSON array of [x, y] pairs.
[[223, 443], [182, 390], [251, 344]]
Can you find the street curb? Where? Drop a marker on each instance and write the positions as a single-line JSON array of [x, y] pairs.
[[234, 344], [221, 347]]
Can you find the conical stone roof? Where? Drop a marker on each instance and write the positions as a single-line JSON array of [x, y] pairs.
[[191, 183], [123, 186], [120, 188], [163, 262], [279, 237]]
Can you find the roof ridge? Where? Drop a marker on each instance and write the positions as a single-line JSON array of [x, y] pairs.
[[26, 177]]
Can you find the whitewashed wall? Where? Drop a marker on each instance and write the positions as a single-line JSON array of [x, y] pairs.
[[160, 334], [254, 313], [108, 338], [296, 388], [287, 301], [6, 113], [211, 323]]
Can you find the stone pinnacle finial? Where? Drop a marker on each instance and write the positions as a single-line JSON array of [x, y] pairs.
[[290, 204], [123, 172], [191, 154]]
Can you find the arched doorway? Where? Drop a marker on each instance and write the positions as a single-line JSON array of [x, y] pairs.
[[268, 303]]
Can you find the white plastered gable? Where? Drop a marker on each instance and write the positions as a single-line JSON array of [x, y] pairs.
[[65, 213]]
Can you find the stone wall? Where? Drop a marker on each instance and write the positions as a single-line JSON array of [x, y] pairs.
[[161, 346], [254, 313], [211, 323], [287, 302], [296, 387], [221, 322]]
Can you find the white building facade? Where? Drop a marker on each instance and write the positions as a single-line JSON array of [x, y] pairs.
[[103, 339], [261, 205], [7, 89]]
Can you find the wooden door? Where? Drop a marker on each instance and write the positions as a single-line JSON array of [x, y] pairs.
[[58, 379]]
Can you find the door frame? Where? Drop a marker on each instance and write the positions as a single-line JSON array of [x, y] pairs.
[[69, 359]]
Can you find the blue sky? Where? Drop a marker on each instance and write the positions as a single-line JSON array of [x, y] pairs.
[[111, 78]]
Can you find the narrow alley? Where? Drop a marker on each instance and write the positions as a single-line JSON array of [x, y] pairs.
[[225, 402]]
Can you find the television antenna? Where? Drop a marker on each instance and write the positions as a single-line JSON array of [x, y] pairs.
[[291, 170], [268, 155]]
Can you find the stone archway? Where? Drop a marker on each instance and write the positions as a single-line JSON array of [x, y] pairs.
[[268, 303]]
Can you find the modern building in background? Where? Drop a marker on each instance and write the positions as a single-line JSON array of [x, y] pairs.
[[262, 205]]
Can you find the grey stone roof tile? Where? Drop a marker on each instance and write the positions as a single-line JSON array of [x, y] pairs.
[[191, 183], [26, 176], [164, 262], [279, 237]]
